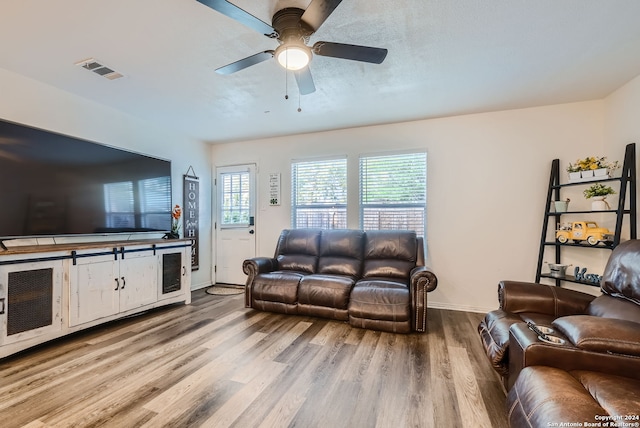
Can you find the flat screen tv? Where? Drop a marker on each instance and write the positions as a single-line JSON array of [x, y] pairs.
[[52, 184]]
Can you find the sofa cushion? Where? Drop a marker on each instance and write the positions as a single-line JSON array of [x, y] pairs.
[[612, 307], [278, 286], [605, 335], [390, 254], [544, 395], [341, 252], [298, 250], [621, 277], [380, 299], [617, 395], [494, 333], [325, 290]]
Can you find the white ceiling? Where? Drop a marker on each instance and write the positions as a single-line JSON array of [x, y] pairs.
[[446, 57]]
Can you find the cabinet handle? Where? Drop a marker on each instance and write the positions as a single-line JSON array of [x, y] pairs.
[[117, 284], [123, 283], [2, 306], [184, 270]]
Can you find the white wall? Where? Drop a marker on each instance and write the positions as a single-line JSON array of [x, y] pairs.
[[622, 117], [487, 183], [38, 105], [622, 123]]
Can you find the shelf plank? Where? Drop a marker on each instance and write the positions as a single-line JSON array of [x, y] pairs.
[[582, 183], [553, 213], [584, 245], [570, 278]]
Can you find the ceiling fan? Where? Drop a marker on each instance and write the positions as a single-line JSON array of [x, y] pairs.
[[292, 27]]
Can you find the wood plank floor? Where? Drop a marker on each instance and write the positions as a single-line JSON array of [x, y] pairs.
[[216, 364]]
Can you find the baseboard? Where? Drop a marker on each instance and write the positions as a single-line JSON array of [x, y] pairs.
[[454, 307], [200, 286]]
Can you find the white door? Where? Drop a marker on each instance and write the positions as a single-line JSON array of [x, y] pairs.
[[235, 227]]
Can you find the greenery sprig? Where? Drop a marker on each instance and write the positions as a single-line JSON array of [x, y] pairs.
[[598, 190]]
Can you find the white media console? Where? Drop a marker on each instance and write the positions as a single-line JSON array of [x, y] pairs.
[[49, 291]]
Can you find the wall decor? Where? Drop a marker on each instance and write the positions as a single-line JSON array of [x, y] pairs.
[[274, 189], [582, 275], [191, 211]]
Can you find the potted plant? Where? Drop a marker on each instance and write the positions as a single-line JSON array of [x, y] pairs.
[[592, 166], [598, 192], [176, 212], [574, 172]]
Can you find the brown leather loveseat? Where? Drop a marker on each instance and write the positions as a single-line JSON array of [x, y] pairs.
[[593, 374], [373, 279]]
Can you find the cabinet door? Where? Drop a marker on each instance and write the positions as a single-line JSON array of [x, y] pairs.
[[138, 280], [94, 289], [30, 300], [174, 276]]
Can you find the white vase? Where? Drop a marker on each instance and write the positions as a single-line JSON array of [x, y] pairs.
[[599, 204], [600, 173], [574, 176], [586, 174]]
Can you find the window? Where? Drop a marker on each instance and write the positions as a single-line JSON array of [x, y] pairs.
[[236, 199], [393, 192], [319, 194]]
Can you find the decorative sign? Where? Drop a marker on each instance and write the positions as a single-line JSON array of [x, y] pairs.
[[274, 189], [582, 275], [191, 197]]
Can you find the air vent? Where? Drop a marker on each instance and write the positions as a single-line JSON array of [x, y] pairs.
[[100, 69]]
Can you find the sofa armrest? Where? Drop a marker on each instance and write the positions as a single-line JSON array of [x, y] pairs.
[[423, 280], [424, 277], [517, 297], [258, 265], [597, 334], [252, 268]]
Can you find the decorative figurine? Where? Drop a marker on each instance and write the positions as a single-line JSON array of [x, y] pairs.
[[580, 231]]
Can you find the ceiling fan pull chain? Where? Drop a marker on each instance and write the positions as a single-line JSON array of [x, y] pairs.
[[299, 108], [286, 85]]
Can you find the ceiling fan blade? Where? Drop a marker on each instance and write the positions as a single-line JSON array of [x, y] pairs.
[[243, 17], [354, 52], [246, 62], [318, 12], [305, 81]]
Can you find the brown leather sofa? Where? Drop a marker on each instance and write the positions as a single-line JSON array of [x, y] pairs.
[[593, 375], [373, 279]]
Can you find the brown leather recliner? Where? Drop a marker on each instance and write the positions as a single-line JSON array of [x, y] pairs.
[[525, 302], [542, 304], [373, 279], [593, 375]]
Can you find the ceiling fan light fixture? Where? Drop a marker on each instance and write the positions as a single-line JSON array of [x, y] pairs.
[[293, 57]]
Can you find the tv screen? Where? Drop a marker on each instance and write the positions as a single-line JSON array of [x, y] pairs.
[[51, 184]]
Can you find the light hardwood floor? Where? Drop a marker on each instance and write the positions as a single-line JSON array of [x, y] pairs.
[[215, 364]]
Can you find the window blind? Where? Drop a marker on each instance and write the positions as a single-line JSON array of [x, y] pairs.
[[319, 194], [236, 198], [393, 192]]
